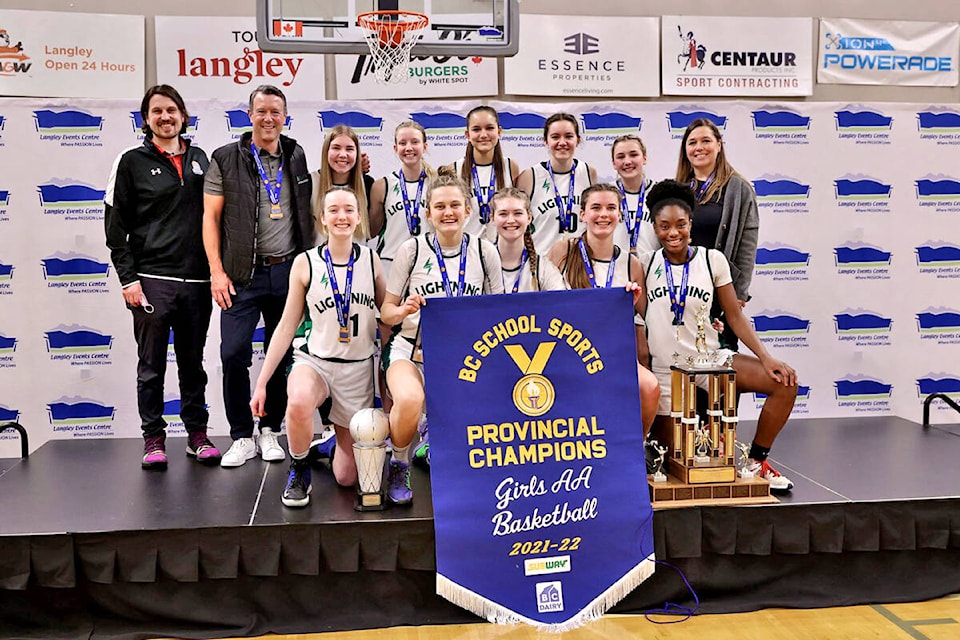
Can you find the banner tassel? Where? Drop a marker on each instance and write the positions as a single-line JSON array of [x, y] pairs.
[[498, 614]]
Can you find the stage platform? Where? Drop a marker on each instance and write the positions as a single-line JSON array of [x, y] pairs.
[[91, 546]]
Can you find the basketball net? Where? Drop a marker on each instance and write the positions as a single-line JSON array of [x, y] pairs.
[[391, 36]]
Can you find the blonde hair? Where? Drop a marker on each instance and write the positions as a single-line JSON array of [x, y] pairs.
[[410, 124], [354, 181], [322, 205]]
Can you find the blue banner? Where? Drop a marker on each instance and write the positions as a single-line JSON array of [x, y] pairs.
[[540, 498]]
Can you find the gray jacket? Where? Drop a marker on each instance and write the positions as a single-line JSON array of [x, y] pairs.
[[737, 237]]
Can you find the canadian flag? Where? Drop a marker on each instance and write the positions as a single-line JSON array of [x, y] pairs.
[[288, 28]]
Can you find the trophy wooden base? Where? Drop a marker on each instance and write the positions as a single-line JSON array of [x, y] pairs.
[[675, 493], [710, 473]]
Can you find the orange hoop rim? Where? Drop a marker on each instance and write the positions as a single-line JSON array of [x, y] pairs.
[[373, 20]]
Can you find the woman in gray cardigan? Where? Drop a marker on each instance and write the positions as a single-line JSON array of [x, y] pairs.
[[726, 215]]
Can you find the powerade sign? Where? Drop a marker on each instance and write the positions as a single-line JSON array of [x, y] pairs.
[[888, 52]]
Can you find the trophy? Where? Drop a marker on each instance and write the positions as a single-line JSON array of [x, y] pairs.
[[703, 445], [369, 428], [705, 358], [658, 461], [744, 450]]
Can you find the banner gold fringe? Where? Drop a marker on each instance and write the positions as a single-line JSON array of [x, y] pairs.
[[498, 614]]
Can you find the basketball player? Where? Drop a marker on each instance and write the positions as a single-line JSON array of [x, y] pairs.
[[636, 234], [445, 262], [523, 269], [592, 260], [672, 272], [484, 168], [339, 285], [555, 186]]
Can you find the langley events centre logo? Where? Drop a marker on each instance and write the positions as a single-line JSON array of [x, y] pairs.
[[69, 127], [781, 328], [863, 328], [6, 276], [522, 129], [940, 324], [863, 125], [677, 121], [73, 200], [608, 126], [781, 125], [78, 345], [360, 121], [862, 261], [863, 394], [77, 273], [782, 262], [939, 259], [782, 193], [81, 416], [944, 383], [445, 128], [862, 193], [8, 345], [940, 125], [942, 192], [4, 203]]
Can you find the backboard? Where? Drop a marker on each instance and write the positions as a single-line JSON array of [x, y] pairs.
[[457, 27]]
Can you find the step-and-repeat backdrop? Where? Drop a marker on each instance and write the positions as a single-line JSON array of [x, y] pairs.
[[858, 268]]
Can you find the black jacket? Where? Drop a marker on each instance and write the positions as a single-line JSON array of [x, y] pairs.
[[153, 219], [241, 191]]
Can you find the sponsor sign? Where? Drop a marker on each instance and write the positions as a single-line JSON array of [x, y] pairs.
[[888, 52], [64, 54], [218, 57], [721, 56], [584, 56], [535, 468]]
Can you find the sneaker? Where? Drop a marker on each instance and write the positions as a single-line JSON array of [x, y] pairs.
[[421, 452], [154, 453], [323, 447], [779, 483], [297, 492], [398, 483], [200, 447], [270, 449], [240, 451]]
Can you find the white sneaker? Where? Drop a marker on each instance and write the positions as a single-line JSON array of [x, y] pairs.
[[779, 483], [240, 451], [270, 449]]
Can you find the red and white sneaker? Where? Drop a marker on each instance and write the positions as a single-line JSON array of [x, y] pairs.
[[779, 483]]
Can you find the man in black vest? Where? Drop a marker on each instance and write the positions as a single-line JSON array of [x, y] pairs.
[[256, 218], [153, 221]]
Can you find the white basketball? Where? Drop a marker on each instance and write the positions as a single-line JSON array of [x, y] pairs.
[[369, 427]]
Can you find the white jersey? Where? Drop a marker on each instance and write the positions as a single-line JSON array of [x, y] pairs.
[[485, 174], [647, 237], [415, 270], [543, 203], [322, 326], [702, 282], [549, 277], [601, 268], [395, 230]]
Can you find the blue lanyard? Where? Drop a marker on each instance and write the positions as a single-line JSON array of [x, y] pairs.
[[478, 192], [273, 188], [566, 217], [703, 189], [589, 266], [413, 216], [341, 302], [635, 219], [523, 261], [678, 301], [443, 267]]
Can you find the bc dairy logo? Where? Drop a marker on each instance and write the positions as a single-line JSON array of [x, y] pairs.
[[863, 328], [781, 125], [78, 345], [939, 259], [782, 262], [69, 127], [781, 328], [677, 121], [940, 125], [71, 199], [863, 125], [238, 122], [81, 417], [939, 191]]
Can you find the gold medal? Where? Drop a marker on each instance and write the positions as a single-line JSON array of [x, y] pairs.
[[275, 212], [344, 335]]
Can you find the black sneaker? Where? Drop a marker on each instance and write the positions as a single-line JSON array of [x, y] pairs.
[[297, 493]]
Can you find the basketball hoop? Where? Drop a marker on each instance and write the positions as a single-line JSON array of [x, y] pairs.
[[391, 36]]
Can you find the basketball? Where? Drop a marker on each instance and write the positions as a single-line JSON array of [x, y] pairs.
[[369, 427]]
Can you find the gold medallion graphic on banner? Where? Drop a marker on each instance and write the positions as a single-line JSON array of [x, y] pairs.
[[533, 395]]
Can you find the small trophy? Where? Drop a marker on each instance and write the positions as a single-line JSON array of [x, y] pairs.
[[744, 450], [369, 428], [657, 464], [702, 445]]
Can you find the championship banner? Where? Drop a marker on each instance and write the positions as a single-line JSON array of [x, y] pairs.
[[61, 54], [540, 501], [888, 52], [558, 56], [726, 56]]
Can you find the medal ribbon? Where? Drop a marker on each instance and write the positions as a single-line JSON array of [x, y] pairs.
[[702, 190], [341, 302], [443, 267], [273, 188], [412, 211], [678, 301], [589, 266], [633, 220], [566, 217], [523, 261], [477, 191]]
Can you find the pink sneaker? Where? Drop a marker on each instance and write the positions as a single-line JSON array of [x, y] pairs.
[[154, 453], [200, 447]]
